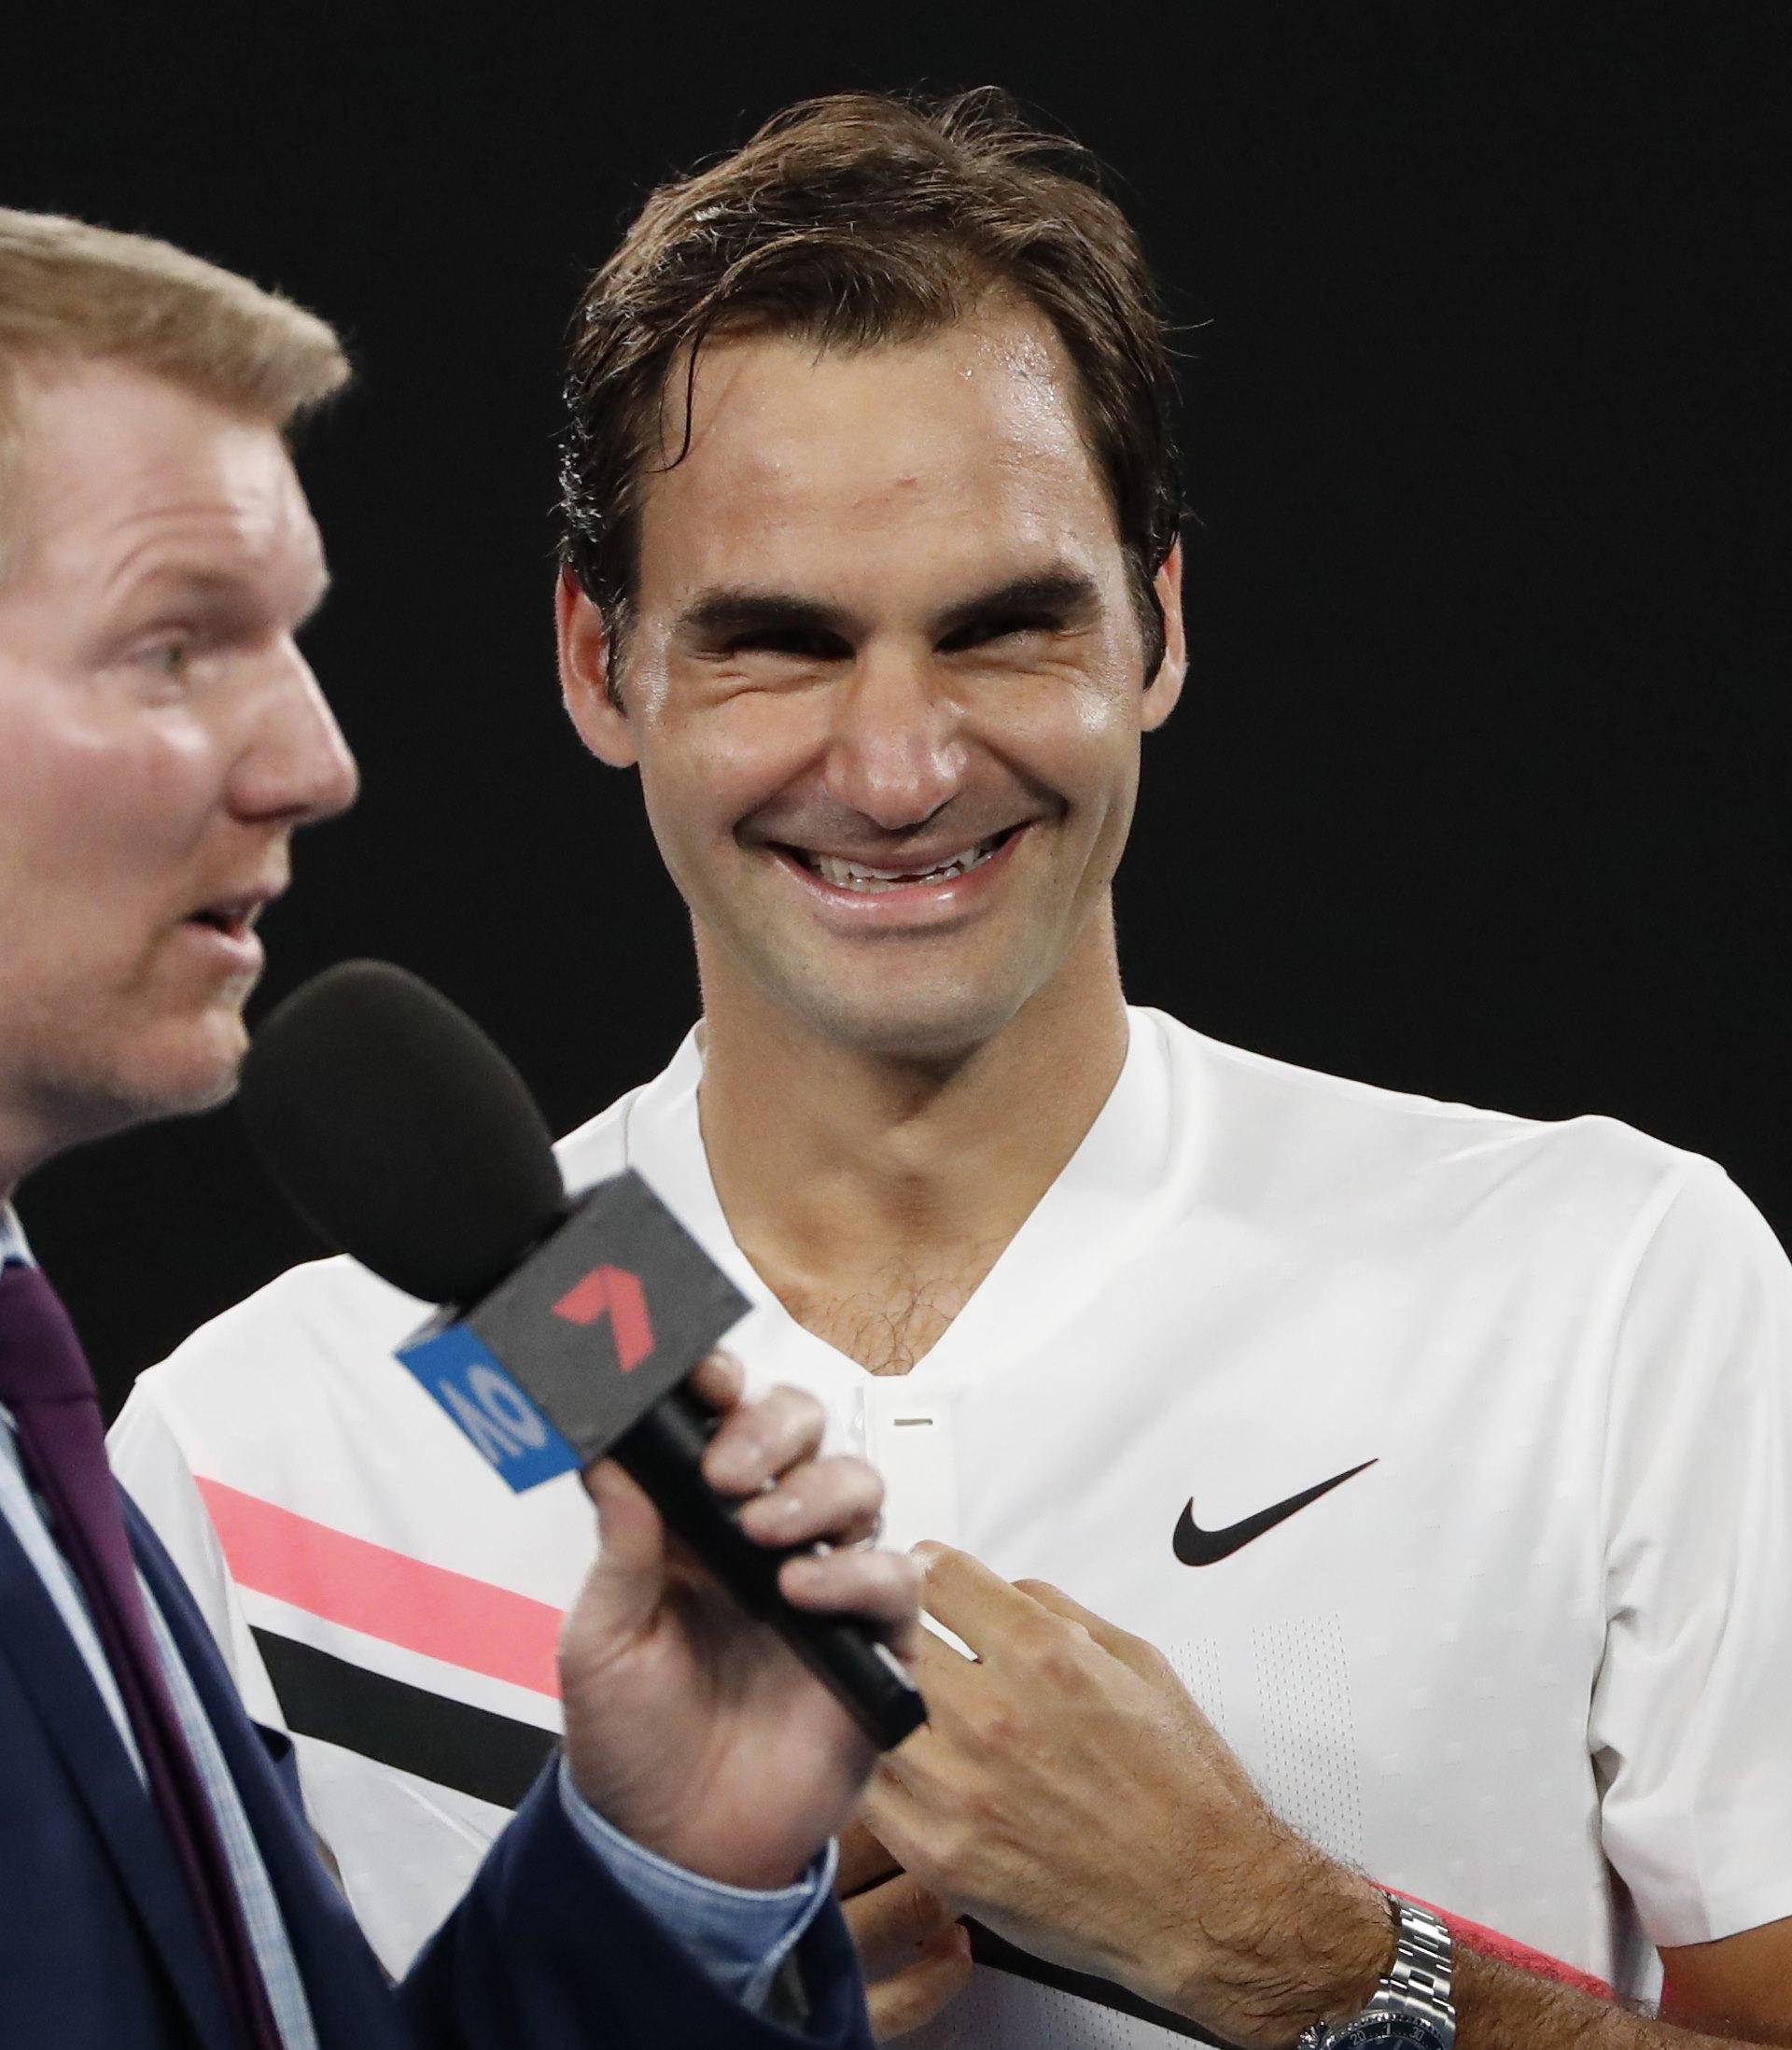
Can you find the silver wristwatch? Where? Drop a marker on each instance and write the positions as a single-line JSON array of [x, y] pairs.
[[1411, 2006]]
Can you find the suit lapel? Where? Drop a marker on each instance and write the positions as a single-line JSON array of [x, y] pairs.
[[53, 1677], [343, 1981]]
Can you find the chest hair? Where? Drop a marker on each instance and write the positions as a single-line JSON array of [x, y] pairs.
[[891, 1317]]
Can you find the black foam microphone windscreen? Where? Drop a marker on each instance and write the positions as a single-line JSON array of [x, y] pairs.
[[569, 1329], [401, 1133]]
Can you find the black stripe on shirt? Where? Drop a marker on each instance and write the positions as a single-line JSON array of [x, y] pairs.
[[492, 1757]]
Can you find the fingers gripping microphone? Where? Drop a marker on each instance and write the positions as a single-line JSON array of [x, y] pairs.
[[402, 1134]]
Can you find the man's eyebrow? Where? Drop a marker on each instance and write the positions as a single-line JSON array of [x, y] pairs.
[[717, 614], [197, 584], [1060, 594]]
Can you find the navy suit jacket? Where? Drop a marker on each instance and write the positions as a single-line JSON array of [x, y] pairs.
[[99, 1949]]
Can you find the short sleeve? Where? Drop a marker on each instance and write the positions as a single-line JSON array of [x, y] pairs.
[[149, 1464], [1691, 1717]]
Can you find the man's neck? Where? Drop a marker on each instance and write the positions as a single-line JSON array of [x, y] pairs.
[[870, 1189]]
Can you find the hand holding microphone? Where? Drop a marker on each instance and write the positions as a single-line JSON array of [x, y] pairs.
[[570, 1331], [689, 1724]]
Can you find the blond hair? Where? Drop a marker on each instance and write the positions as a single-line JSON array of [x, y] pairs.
[[72, 293]]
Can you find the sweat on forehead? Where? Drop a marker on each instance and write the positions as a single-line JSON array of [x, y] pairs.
[[862, 218], [998, 334]]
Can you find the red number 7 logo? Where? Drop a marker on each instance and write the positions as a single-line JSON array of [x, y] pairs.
[[615, 1293]]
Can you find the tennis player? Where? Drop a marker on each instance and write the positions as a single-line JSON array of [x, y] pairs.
[[1339, 1494]]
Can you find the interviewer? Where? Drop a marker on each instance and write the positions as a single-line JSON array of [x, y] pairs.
[[160, 740]]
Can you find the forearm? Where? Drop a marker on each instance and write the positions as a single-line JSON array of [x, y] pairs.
[[1298, 1940], [1499, 2007], [1315, 1946], [1502, 2004]]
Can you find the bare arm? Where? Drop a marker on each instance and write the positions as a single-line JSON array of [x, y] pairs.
[[1740, 1985], [1068, 1794], [1738, 1989]]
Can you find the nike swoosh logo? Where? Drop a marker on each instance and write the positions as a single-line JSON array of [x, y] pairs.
[[1196, 1547]]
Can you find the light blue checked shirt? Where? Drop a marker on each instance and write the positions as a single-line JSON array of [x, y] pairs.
[[739, 1936]]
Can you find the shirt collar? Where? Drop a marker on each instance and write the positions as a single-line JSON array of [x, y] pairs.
[[13, 1245]]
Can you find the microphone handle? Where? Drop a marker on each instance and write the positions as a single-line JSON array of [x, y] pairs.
[[664, 1451]]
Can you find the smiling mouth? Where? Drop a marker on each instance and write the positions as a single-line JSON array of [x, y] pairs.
[[859, 875]]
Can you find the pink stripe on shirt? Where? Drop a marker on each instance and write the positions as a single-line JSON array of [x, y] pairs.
[[386, 1593]]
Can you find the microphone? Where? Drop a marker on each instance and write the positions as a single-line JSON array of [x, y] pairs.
[[404, 1136]]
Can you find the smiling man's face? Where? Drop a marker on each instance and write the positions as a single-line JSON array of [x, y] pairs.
[[161, 737], [883, 681]]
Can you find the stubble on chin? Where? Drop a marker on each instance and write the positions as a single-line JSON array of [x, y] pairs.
[[930, 1021], [156, 1070]]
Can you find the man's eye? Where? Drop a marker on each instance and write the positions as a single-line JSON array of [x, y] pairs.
[[792, 642], [171, 656], [986, 633]]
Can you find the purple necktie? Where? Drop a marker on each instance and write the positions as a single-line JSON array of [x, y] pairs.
[[45, 1381]]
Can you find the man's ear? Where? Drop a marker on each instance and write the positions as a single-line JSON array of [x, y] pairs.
[[585, 675], [1166, 687]]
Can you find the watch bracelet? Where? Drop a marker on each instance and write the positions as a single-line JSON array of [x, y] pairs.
[[1416, 1986]]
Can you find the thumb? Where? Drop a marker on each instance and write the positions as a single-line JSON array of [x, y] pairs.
[[627, 1578]]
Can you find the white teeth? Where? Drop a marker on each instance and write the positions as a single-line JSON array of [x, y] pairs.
[[857, 875]]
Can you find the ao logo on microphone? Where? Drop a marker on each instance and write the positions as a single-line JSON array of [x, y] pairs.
[[564, 1355], [503, 1424], [614, 1293], [464, 1370], [495, 1414]]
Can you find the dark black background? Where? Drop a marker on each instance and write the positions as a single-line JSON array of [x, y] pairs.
[[1479, 789]]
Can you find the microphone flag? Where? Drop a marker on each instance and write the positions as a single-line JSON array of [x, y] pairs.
[[566, 1354]]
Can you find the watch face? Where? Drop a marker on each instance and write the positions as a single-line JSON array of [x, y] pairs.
[[1386, 2032]]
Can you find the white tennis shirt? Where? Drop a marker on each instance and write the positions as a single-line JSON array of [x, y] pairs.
[[1532, 1664]]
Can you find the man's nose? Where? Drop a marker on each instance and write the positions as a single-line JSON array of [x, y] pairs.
[[895, 752], [296, 767]]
